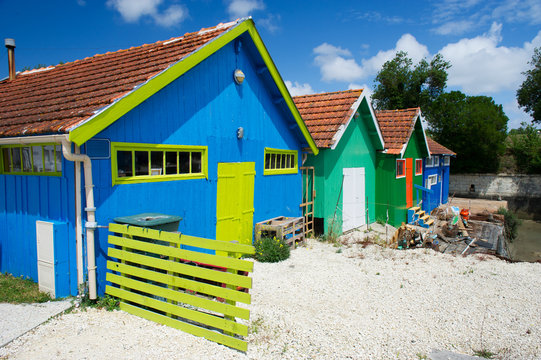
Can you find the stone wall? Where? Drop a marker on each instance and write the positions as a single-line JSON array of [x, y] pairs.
[[522, 192], [493, 186]]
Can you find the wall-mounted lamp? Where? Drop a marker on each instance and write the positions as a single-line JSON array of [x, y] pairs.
[[240, 132], [356, 116], [239, 76]]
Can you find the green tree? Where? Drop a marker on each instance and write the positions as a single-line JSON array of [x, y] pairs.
[[526, 149], [529, 92], [472, 126], [401, 85]]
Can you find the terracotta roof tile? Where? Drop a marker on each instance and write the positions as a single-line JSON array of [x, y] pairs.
[[438, 149], [325, 113], [396, 127], [53, 99]]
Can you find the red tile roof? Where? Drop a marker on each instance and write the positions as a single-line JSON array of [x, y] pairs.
[[396, 127], [324, 113], [438, 149], [54, 99]]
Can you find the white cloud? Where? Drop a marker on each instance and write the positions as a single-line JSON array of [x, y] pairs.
[[133, 10], [515, 114], [519, 11], [241, 8], [334, 63], [450, 16], [81, 2], [270, 22], [455, 27], [296, 89], [480, 65], [367, 91]]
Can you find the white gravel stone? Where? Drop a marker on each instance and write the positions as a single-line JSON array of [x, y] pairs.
[[324, 303]]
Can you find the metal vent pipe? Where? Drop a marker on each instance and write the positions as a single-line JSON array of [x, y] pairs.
[[10, 45]]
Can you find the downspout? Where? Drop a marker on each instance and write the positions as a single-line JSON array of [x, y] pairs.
[[90, 213], [78, 223]]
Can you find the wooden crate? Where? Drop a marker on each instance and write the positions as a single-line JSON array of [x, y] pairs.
[[290, 229]]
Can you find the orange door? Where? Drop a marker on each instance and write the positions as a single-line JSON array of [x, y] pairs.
[[409, 184]]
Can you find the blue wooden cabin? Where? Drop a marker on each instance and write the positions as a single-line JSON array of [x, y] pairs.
[[436, 175], [201, 126]]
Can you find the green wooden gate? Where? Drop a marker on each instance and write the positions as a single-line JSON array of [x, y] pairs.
[[189, 290]]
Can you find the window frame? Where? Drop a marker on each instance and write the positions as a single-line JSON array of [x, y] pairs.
[[403, 174], [446, 161], [57, 166], [429, 162], [420, 167], [432, 180], [289, 170], [436, 161], [163, 176]]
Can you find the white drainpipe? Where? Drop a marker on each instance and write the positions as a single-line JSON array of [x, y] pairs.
[[90, 209], [78, 223]]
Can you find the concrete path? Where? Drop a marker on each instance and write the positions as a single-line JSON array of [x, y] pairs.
[[16, 320]]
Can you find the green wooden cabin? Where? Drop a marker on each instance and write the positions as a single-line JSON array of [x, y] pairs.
[[399, 168], [347, 135]]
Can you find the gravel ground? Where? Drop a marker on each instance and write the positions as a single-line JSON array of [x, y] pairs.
[[328, 302]]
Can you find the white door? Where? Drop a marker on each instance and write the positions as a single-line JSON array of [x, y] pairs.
[[353, 209], [45, 245]]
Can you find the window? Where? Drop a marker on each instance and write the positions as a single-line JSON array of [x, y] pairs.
[[446, 160], [280, 162], [136, 163], [436, 161], [400, 168], [431, 180], [429, 162], [36, 159], [418, 167]]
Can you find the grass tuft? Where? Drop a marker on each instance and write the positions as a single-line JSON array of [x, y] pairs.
[[18, 290]]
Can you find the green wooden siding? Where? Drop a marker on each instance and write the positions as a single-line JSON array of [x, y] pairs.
[[390, 191], [357, 148]]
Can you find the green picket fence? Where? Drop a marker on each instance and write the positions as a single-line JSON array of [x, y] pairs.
[[188, 290]]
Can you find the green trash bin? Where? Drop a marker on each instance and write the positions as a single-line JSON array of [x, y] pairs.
[[155, 221]]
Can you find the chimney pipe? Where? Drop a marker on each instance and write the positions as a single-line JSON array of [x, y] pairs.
[[10, 45]]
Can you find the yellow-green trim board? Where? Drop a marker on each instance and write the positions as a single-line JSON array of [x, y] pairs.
[[107, 116]]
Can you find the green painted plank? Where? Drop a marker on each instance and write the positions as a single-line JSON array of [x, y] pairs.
[[182, 254], [202, 273], [198, 287], [179, 239], [193, 315], [189, 328], [179, 296]]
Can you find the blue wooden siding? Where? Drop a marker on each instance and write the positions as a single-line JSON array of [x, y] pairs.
[[440, 191], [203, 107], [26, 199]]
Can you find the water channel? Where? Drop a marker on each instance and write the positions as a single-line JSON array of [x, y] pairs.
[[527, 245]]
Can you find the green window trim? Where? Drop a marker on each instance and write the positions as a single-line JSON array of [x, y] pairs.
[[278, 162], [31, 159], [161, 162]]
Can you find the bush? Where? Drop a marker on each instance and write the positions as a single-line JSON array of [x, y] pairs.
[[511, 224], [271, 250]]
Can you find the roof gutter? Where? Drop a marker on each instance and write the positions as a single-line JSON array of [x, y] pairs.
[[90, 208]]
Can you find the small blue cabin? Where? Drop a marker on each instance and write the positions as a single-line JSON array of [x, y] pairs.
[[201, 127], [436, 175]]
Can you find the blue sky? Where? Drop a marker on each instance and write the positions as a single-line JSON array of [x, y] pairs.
[[317, 45]]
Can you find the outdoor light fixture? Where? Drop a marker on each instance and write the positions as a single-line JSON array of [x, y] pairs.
[[239, 76], [356, 116], [240, 132]]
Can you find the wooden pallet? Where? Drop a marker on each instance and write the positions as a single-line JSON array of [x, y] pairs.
[[290, 229]]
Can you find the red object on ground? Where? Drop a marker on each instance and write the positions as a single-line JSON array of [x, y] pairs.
[[465, 213]]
